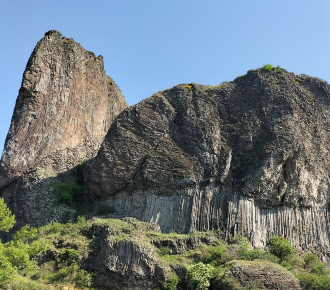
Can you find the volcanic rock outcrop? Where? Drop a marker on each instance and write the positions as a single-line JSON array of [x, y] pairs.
[[65, 107], [257, 275], [249, 157]]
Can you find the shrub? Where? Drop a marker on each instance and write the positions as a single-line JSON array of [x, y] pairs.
[[38, 247], [198, 276], [17, 253], [292, 262], [69, 257], [213, 254], [268, 67], [255, 254], [23, 283], [313, 265], [68, 192], [81, 220], [83, 278], [231, 284], [171, 283], [314, 281], [238, 251], [7, 271], [163, 251], [7, 219], [71, 274], [280, 247], [26, 234], [278, 69], [244, 248]]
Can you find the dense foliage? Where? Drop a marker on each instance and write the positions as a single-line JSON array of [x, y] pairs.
[[197, 268], [7, 219], [199, 275], [280, 247]]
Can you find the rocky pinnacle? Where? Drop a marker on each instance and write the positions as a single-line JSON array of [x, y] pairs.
[[64, 108]]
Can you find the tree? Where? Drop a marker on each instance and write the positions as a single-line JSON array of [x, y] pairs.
[[7, 219], [280, 247], [199, 275]]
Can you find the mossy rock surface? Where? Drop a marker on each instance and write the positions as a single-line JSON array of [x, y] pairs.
[[256, 275]]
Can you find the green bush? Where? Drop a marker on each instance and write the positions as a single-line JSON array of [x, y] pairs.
[[280, 247], [37, 247], [198, 276], [244, 248], [81, 220], [17, 253], [69, 192], [71, 274], [292, 262], [7, 219], [268, 67], [231, 284], [314, 281], [313, 265], [255, 254], [213, 255], [26, 234], [238, 250], [171, 283], [7, 271], [69, 257], [22, 283], [278, 69], [163, 251]]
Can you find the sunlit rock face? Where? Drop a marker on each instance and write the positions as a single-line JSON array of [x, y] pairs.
[[249, 157], [64, 108]]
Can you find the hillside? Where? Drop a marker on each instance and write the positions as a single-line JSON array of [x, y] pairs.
[[105, 254]]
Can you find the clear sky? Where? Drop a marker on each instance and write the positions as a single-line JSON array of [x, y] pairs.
[[151, 45]]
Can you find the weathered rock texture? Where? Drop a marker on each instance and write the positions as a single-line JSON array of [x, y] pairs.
[[125, 265], [250, 157], [65, 107], [257, 275], [125, 258]]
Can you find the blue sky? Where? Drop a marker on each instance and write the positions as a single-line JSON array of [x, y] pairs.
[[151, 45]]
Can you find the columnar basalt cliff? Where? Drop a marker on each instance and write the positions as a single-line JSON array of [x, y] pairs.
[[65, 107], [246, 158], [249, 157]]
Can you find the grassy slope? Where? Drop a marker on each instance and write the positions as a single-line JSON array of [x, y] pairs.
[[55, 255]]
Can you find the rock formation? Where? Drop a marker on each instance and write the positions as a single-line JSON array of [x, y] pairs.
[[249, 157], [124, 263], [246, 158], [257, 275], [65, 107]]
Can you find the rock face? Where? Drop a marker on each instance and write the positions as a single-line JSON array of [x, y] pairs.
[[249, 157], [65, 107], [124, 265], [257, 275]]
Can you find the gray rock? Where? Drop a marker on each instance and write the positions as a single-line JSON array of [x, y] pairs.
[[124, 264], [65, 107], [256, 274], [249, 157]]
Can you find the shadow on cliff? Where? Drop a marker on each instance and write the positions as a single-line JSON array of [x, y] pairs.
[[37, 201]]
